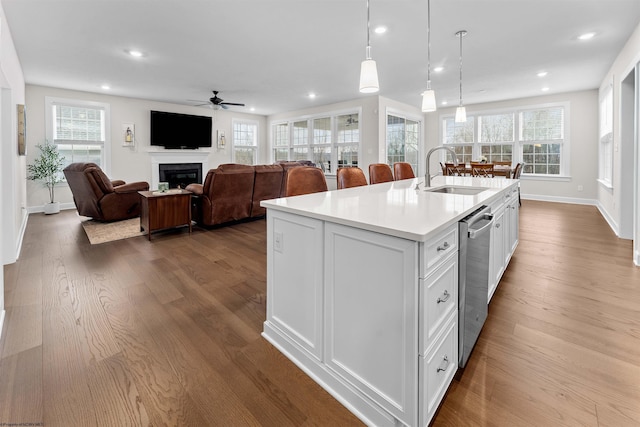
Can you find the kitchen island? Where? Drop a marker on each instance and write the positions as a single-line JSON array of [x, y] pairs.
[[362, 288]]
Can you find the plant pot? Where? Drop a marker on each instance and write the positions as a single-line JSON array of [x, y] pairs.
[[51, 208]]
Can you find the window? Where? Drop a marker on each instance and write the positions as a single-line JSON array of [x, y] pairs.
[[245, 142], [605, 164], [403, 138], [325, 140], [535, 136], [80, 129], [460, 137], [496, 137], [542, 135]]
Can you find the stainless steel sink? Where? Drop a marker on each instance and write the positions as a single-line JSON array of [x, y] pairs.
[[456, 189]]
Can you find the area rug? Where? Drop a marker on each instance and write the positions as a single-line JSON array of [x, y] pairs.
[[102, 232]]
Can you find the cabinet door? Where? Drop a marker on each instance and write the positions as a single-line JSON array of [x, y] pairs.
[[514, 226], [371, 316], [497, 251], [294, 275]]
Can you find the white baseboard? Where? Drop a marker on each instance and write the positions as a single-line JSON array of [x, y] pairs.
[[23, 228], [609, 219], [557, 199], [2, 313], [63, 207]]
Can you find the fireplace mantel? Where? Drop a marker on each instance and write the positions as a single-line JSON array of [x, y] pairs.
[[176, 156]]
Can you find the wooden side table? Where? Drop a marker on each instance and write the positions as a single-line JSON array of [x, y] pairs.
[[164, 210]]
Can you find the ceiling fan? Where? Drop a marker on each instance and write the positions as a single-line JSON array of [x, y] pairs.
[[216, 103]]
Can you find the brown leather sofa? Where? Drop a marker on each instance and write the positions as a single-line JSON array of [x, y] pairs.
[[233, 192], [100, 198]]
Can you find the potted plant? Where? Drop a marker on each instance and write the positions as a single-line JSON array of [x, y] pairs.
[[47, 167]]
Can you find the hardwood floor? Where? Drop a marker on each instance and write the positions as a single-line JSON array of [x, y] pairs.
[[168, 332]]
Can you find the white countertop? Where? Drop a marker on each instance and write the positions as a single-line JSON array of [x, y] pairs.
[[395, 208]]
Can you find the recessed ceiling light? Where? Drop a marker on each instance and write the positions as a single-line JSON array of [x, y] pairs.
[[380, 29], [586, 36], [438, 69], [545, 89], [312, 95], [542, 73], [135, 53], [444, 102], [252, 109], [105, 87]]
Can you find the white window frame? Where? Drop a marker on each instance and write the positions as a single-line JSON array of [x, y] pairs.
[[420, 144], [309, 119], [605, 137], [50, 102], [255, 146], [517, 151]]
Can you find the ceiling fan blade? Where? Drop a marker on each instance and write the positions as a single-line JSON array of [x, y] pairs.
[[232, 103]]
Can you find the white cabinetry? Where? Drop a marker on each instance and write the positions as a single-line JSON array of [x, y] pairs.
[[371, 315], [504, 235]]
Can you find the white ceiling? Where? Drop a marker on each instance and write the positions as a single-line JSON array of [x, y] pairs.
[[269, 54]]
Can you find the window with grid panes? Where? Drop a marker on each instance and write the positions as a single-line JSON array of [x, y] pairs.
[[328, 141], [347, 140], [542, 138], [403, 138], [322, 143], [605, 158], [280, 148], [496, 137], [245, 142], [460, 138], [300, 139], [79, 130]]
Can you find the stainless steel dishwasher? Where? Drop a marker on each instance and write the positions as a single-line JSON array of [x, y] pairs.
[[473, 275]]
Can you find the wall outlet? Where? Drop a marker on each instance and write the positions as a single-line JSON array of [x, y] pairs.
[[580, 188], [278, 241]]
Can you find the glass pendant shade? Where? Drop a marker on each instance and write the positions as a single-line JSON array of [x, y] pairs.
[[428, 101], [461, 114], [369, 76]]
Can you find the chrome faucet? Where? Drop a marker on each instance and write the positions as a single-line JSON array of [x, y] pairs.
[[427, 175]]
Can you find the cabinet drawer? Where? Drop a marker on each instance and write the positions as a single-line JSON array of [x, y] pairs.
[[438, 300], [437, 370], [439, 248]]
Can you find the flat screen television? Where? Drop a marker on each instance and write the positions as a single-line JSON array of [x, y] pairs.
[[180, 131]]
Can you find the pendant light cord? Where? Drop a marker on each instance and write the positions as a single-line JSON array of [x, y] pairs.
[[461, 34], [428, 44], [368, 33]]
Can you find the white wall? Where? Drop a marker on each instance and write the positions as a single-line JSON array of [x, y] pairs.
[[129, 164], [583, 133], [610, 200], [12, 215]]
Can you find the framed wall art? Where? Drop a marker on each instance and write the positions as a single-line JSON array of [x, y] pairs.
[[22, 130]]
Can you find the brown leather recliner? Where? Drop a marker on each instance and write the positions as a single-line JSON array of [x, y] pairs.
[[226, 194], [100, 198], [268, 185]]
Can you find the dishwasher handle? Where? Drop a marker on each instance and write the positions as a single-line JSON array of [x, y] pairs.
[[487, 219]]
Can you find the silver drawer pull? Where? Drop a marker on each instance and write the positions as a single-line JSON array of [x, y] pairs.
[[444, 298], [444, 247], [444, 365]]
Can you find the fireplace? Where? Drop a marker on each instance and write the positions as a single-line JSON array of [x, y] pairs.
[[179, 175]]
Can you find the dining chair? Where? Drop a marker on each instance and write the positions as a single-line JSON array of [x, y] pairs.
[[451, 169], [350, 177], [305, 180], [516, 175], [380, 172], [483, 170], [402, 170]]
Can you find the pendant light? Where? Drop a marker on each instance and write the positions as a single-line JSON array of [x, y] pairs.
[[461, 112], [368, 69], [428, 96]]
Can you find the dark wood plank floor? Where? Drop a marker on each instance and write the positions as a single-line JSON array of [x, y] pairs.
[[168, 332]]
